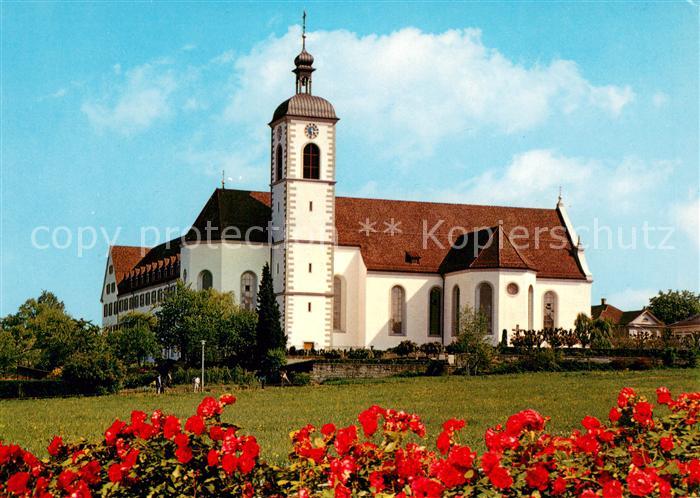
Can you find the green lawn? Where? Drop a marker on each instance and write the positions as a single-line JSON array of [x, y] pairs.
[[271, 413]]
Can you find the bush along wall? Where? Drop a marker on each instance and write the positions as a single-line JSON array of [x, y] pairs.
[[639, 452]]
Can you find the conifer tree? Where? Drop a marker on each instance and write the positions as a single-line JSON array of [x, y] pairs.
[[269, 335]]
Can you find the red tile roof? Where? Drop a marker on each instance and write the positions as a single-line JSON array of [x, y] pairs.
[[124, 258], [607, 312], [691, 321], [386, 231]]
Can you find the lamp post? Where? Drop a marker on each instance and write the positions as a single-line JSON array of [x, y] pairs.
[[202, 384]]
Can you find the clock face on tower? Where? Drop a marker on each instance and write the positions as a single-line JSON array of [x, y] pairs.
[[311, 130]]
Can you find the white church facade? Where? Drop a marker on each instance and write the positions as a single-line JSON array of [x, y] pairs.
[[353, 272]]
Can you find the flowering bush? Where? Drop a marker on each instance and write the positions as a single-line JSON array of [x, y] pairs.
[[635, 453]]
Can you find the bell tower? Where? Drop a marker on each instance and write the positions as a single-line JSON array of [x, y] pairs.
[[302, 185]]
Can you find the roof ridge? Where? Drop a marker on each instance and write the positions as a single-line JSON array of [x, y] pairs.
[[521, 256]]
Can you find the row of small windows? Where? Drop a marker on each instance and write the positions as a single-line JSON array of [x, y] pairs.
[[311, 162], [136, 301]]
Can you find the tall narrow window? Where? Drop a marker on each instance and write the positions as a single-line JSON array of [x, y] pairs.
[[435, 312], [484, 303], [249, 287], [530, 308], [337, 304], [397, 325], [206, 280], [278, 163], [550, 310], [455, 310], [312, 162]]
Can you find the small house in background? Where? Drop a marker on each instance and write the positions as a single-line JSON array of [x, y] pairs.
[[689, 326], [630, 322]]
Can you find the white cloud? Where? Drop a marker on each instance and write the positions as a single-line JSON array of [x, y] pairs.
[[686, 216], [134, 104], [532, 178], [659, 99], [631, 299], [410, 89], [188, 47]]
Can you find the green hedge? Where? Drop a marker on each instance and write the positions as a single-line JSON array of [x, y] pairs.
[[45, 388]]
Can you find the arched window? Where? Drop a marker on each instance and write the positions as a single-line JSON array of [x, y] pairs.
[[484, 303], [530, 308], [249, 286], [312, 162], [455, 310], [278, 163], [549, 311], [206, 280], [397, 325], [435, 312], [338, 304]]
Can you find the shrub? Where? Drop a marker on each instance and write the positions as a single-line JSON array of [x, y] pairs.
[[638, 453], [432, 348], [406, 348], [45, 388], [540, 360], [95, 373], [300, 378]]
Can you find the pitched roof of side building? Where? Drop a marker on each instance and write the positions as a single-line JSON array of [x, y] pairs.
[[396, 236]]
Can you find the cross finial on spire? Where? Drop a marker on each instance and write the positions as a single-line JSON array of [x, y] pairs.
[[303, 30], [223, 179]]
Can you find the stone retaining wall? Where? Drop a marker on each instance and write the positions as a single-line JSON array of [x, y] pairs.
[[323, 371]]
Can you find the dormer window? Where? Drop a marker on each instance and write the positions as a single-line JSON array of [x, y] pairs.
[[412, 258]]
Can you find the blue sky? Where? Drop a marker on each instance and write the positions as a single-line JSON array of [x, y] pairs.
[[118, 116]]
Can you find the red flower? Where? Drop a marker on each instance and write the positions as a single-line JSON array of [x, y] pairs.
[[17, 483], [195, 425], [56, 446], [376, 481], [614, 414], [612, 489], [113, 431], [537, 477], [500, 478], [345, 438], [208, 408], [183, 454], [90, 472], [171, 426], [228, 463], [115, 472], [558, 486], [489, 461], [625, 394], [694, 471], [666, 443], [461, 457], [663, 396], [328, 430], [65, 479], [524, 420], [216, 433], [181, 440], [643, 413], [369, 419], [590, 423], [213, 458], [640, 483], [227, 399]]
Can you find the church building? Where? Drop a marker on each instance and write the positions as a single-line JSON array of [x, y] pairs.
[[355, 272]]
